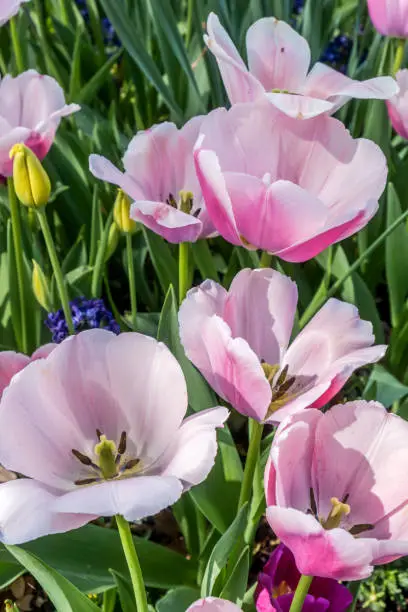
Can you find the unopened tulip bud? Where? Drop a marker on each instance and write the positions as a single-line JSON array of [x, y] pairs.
[[40, 287], [31, 182], [121, 213], [113, 240]]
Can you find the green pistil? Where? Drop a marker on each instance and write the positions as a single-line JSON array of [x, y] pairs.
[[186, 201], [339, 509], [106, 452]]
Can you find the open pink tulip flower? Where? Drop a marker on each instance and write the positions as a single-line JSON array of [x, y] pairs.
[[390, 17], [160, 177], [213, 604], [242, 350], [289, 187], [11, 363], [398, 105], [97, 429], [336, 489], [278, 60], [21, 120], [9, 8]]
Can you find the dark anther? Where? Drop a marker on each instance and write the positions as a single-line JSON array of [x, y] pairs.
[[357, 529], [282, 376], [82, 458], [285, 386], [98, 434], [85, 481], [171, 201], [196, 212], [122, 443], [313, 505], [345, 498], [131, 464]]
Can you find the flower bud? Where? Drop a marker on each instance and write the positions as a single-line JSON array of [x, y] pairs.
[[113, 240], [31, 182], [121, 213], [40, 287]]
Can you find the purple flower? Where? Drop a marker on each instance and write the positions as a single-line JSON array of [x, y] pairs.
[[278, 581]]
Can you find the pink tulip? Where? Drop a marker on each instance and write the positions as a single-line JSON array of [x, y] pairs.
[[160, 176], [279, 59], [289, 187], [9, 8], [213, 604], [390, 17], [11, 363], [21, 120], [97, 429], [238, 339], [336, 489], [398, 105]]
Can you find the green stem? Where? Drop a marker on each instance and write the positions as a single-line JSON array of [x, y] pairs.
[[59, 279], [109, 600], [336, 286], [266, 260], [132, 560], [300, 593], [132, 280], [18, 254], [15, 41], [399, 55], [255, 436], [354, 588], [189, 26], [183, 270], [64, 12]]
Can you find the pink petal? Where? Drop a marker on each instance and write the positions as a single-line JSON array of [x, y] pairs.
[[229, 364], [26, 514], [213, 604], [299, 106], [172, 224], [277, 55], [398, 105], [43, 351], [8, 138], [8, 9], [260, 308], [318, 552], [389, 18], [103, 169], [134, 498], [10, 364], [240, 84], [192, 454]]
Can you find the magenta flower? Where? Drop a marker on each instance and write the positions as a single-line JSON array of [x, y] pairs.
[[9, 8], [241, 347], [160, 176], [289, 187], [278, 581], [279, 59], [336, 489], [213, 604], [390, 17], [11, 363], [398, 105], [21, 120], [97, 429]]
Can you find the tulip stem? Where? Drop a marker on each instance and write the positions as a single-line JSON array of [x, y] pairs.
[[300, 593], [399, 55], [266, 260], [59, 279], [132, 280], [132, 560], [183, 270], [255, 437], [18, 254], [15, 41]]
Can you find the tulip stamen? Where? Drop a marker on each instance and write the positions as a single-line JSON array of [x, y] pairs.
[[336, 514]]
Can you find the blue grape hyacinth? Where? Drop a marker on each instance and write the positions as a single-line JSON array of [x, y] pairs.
[[86, 314]]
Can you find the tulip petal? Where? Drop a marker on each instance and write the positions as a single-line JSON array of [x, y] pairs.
[[278, 56], [299, 106], [10, 364], [172, 224], [213, 604], [134, 498], [103, 169]]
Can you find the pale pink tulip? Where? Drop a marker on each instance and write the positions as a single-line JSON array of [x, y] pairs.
[[97, 429], [289, 187], [31, 107], [213, 604], [279, 59], [160, 177], [238, 339], [398, 105], [390, 17], [336, 489], [9, 8], [11, 363]]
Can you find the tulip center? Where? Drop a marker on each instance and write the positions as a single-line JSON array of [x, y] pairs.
[[282, 589], [282, 91], [185, 203], [110, 461], [284, 387], [336, 514]]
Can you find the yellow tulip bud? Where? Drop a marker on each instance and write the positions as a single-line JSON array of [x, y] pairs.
[[113, 239], [40, 287], [121, 212], [31, 182]]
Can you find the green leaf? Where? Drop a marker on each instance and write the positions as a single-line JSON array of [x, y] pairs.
[[177, 600], [204, 260], [162, 260], [125, 592], [88, 92], [235, 587], [64, 595], [85, 557], [222, 550], [384, 387], [396, 257]]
